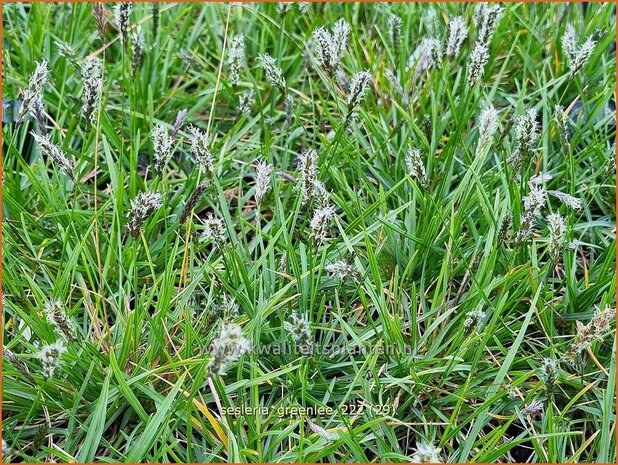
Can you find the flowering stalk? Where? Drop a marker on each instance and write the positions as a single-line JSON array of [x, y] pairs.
[[488, 125], [200, 150], [343, 270], [215, 231], [163, 144], [272, 71], [226, 349], [328, 47], [487, 16], [236, 58], [457, 33], [122, 15], [300, 330], [426, 453], [33, 94], [194, 198], [577, 56], [416, 168], [93, 83], [50, 356], [138, 48], [358, 88], [262, 180], [478, 60], [142, 207], [54, 153], [557, 235], [58, 318]]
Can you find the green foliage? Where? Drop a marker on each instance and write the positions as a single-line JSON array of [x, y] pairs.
[[134, 387]]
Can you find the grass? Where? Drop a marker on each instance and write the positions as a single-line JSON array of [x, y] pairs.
[[134, 387]]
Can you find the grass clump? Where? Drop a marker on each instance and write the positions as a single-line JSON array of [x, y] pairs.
[[309, 232]]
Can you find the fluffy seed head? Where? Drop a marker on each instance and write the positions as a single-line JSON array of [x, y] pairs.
[[577, 56], [34, 92], [478, 60], [308, 180], [536, 199], [457, 33], [570, 201], [50, 355], [426, 453], [343, 270], [58, 318], [488, 125], [300, 330], [431, 23], [487, 16], [569, 42], [527, 132], [227, 348], [91, 71], [245, 101], [122, 16], [138, 48], [262, 180], [200, 150], [557, 235], [215, 231], [416, 168], [358, 88], [428, 54], [534, 409], [142, 207], [272, 71], [595, 330], [54, 153], [474, 320], [548, 372], [322, 217], [163, 144], [328, 47], [236, 58]]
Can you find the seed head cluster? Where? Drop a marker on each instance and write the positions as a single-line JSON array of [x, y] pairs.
[[426, 453], [226, 349], [33, 95], [236, 58], [343, 270], [215, 231], [272, 72], [163, 144], [54, 153], [329, 46], [142, 207], [50, 356], [201, 151], [577, 55], [262, 180], [57, 317], [93, 83], [457, 34], [300, 330], [416, 168]]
